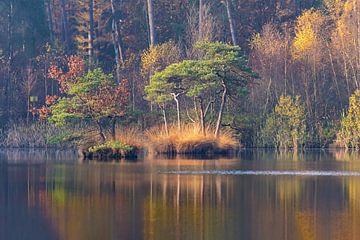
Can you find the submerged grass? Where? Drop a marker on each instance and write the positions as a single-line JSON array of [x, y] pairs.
[[190, 140]]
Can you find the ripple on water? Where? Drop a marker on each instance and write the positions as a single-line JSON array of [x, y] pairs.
[[266, 173]]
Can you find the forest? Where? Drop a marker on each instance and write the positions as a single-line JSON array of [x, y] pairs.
[[179, 73]]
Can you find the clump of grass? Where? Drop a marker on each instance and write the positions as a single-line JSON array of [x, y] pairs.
[[130, 136], [190, 140]]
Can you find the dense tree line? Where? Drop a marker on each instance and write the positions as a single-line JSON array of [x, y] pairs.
[[308, 48]]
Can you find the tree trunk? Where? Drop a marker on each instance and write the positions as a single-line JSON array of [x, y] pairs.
[[10, 60], [202, 117], [231, 23], [151, 22], [101, 131], [116, 50], [221, 111], [91, 34], [165, 120], [49, 10], [113, 129], [116, 43], [178, 111], [64, 24], [201, 19]]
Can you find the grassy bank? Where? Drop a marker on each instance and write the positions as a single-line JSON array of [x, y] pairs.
[[128, 142]]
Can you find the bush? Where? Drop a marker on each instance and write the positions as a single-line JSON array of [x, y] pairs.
[[349, 133], [285, 127]]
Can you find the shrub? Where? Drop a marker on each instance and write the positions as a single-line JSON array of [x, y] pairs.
[[349, 133], [285, 127]]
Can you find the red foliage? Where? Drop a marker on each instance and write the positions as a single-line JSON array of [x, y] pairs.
[[51, 99], [110, 100], [75, 69], [43, 112]]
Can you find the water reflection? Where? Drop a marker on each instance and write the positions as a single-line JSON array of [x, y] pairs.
[[131, 200]]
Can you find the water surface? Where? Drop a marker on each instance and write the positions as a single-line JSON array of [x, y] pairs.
[[258, 195]]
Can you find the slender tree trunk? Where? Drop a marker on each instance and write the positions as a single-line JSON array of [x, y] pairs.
[[49, 10], [202, 117], [10, 60], [116, 43], [151, 22], [64, 24], [116, 50], [334, 72], [201, 19], [150, 5], [178, 110], [28, 107], [165, 120], [231, 23], [113, 129], [101, 131], [221, 111], [91, 34]]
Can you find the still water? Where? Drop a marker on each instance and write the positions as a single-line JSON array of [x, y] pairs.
[[258, 195]]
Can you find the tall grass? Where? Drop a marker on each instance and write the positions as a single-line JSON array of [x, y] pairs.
[[35, 135], [130, 136], [190, 140]]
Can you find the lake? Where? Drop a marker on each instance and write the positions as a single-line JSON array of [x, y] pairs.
[[262, 195]]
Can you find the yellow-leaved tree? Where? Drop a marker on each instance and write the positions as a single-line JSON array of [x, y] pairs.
[[308, 53]]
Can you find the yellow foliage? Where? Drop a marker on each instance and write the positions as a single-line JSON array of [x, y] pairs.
[[269, 43], [308, 31], [158, 57]]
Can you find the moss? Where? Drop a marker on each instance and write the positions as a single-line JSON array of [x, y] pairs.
[[113, 145]]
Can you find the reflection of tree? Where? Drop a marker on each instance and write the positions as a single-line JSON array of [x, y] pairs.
[[193, 208], [346, 156]]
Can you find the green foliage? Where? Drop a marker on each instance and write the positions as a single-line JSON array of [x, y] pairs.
[[246, 127], [349, 133], [93, 96], [89, 83], [65, 136], [220, 64], [60, 113], [113, 145], [285, 127]]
